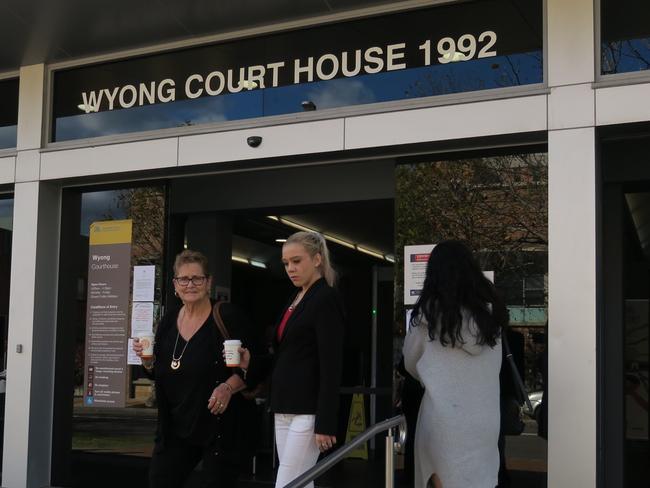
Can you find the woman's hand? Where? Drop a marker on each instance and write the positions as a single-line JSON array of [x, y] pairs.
[[137, 347], [325, 442], [220, 398], [244, 358]]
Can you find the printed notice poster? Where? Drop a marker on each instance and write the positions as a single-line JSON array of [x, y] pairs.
[[415, 268], [141, 319], [144, 282], [131, 357], [109, 276]]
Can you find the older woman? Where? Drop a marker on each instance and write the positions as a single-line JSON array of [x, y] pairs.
[[197, 401], [308, 346]]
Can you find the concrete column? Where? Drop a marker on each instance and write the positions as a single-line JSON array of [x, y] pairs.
[[572, 183], [32, 302], [31, 338]]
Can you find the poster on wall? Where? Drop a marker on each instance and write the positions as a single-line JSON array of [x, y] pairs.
[[144, 283], [109, 275], [415, 268]]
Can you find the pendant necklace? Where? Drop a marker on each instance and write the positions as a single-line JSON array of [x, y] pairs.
[[176, 361]]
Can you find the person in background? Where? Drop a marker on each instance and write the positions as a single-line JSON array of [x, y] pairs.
[[307, 359], [198, 401], [453, 348]]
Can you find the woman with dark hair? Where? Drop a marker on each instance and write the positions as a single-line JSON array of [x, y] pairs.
[[453, 348]]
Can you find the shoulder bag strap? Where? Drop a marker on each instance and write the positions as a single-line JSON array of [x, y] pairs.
[[515, 371], [219, 321]]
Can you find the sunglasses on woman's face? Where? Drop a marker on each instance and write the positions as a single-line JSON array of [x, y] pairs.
[[185, 280]]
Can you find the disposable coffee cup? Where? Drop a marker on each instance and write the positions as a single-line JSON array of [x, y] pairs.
[[231, 349], [146, 341]]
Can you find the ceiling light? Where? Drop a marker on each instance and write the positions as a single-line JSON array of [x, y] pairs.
[[257, 264], [248, 84], [281, 240], [454, 57], [273, 217], [338, 241], [370, 252], [390, 258], [86, 108], [240, 260], [296, 225]]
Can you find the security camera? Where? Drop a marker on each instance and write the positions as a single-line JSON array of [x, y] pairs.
[[308, 105], [254, 141]]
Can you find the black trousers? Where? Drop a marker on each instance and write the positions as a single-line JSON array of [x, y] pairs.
[[172, 465]]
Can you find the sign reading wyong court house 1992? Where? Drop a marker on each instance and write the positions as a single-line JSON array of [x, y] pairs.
[[109, 276], [443, 49]]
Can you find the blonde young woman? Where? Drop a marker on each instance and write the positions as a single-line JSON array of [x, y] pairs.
[[306, 364]]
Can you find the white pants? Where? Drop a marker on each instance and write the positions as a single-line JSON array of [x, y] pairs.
[[297, 450]]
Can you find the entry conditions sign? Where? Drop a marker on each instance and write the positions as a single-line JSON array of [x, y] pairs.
[[415, 269], [109, 276]]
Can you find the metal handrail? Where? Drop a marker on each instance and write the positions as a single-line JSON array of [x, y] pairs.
[[327, 463]]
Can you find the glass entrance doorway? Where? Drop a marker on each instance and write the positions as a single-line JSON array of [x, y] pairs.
[[239, 222], [624, 330]]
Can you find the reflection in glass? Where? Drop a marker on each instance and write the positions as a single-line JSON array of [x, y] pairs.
[[182, 113], [8, 113], [636, 288], [439, 79], [443, 49], [625, 44], [499, 207], [146, 207]]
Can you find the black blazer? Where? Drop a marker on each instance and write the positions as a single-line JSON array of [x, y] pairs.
[[307, 362]]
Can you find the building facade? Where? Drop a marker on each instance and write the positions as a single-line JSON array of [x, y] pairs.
[[301, 108]]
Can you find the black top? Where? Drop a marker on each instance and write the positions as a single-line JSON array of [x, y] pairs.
[[307, 362], [188, 388], [183, 394]]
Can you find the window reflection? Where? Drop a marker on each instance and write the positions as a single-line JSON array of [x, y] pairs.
[[480, 74], [499, 207], [94, 433], [446, 49], [8, 113], [625, 41]]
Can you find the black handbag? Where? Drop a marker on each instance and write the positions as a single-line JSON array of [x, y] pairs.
[[512, 422]]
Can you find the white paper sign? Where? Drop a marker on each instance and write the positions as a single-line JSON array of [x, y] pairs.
[[131, 357], [415, 268], [144, 282], [141, 318]]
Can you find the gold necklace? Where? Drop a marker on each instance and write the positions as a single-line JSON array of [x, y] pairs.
[[176, 361]]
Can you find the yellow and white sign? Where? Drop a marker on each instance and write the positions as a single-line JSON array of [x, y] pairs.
[[356, 425]]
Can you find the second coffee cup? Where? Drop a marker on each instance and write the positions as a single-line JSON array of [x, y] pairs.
[[231, 349]]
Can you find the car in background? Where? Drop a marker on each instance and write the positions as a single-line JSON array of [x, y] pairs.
[[535, 402]]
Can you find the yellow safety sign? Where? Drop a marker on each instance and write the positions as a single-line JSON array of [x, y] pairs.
[[356, 425]]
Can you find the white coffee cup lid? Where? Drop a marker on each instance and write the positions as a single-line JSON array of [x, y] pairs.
[[232, 342]]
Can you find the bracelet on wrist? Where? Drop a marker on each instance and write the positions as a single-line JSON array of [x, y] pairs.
[[228, 386]]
